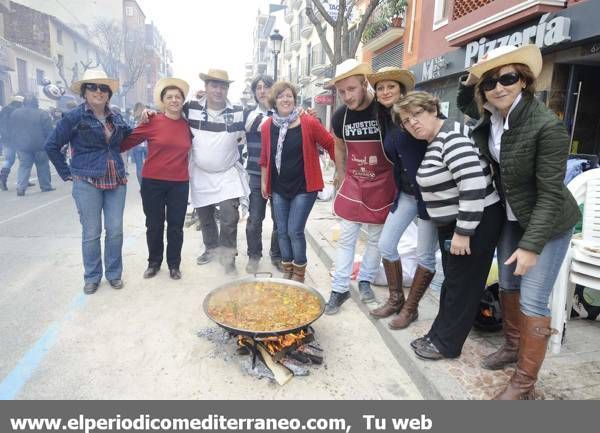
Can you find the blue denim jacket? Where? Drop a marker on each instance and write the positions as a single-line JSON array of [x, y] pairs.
[[90, 151]]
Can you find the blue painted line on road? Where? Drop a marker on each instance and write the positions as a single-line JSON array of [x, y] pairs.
[[22, 372], [13, 383]]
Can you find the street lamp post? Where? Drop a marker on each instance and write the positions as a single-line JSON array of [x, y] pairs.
[[276, 40]]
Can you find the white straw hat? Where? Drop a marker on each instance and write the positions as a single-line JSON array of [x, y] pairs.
[[166, 82], [95, 76], [529, 55], [347, 69]]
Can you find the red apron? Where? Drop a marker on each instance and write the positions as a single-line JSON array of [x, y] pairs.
[[368, 190]]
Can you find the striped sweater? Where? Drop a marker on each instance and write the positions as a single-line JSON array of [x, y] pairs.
[[455, 181]]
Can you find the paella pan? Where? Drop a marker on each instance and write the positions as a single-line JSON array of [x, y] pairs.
[[264, 306]]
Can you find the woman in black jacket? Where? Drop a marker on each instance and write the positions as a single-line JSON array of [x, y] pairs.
[[406, 153], [528, 148]]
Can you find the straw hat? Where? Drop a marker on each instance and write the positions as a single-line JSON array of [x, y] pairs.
[[95, 76], [529, 55], [216, 75], [347, 69], [393, 73], [166, 82]]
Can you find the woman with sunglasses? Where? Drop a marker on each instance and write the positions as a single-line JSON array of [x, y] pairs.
[[98, 174], [456, 186], [406, 153], [527, 146], [165, 178]]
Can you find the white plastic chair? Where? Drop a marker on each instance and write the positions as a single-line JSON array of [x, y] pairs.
[[582, 261]]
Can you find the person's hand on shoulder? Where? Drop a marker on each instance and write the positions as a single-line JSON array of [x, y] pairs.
[[146, 115]]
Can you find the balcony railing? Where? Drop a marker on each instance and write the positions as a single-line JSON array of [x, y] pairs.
[[319, 60], [295, 38], [287, 49], [460, 8]]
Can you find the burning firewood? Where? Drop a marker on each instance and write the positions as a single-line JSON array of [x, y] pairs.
[[282, 374], [297, 368]]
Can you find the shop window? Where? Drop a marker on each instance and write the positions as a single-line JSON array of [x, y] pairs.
[[440, 13], [22, 76], [39, 77]]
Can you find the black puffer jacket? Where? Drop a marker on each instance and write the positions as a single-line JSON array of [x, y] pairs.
[[534, 155]]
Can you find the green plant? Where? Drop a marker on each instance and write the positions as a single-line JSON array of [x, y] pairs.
[[374, 29], [395, 8]]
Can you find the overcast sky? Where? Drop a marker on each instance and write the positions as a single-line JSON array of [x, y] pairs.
[[205, 34]]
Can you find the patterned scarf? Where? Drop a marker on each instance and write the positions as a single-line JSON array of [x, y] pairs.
[[283, 123]]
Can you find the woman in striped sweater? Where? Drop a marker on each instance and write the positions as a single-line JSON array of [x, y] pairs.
[[456, 185]]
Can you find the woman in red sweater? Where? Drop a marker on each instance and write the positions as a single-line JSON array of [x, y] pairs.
[[291, 173], [165, 179]]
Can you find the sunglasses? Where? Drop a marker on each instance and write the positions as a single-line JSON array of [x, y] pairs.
[[92, 87], [505, 79]]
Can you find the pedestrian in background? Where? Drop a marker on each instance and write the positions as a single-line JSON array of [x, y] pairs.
[[165, 178], [8, 148], [98, 174], [31, 127], [528, 147], [291, 173], [140, 152]]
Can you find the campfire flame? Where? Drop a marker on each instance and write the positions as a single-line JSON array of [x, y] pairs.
[[276, 343], [283, 341]]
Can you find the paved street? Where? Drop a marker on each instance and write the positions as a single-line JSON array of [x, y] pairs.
[[141, 343]]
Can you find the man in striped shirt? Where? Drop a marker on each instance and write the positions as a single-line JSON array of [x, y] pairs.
[[216, 176], [253, 120]]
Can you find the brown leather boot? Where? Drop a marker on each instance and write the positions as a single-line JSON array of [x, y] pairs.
[[535, 333], [393, 273], [410, 310], [298, 272], [288, 270], [511, 314]]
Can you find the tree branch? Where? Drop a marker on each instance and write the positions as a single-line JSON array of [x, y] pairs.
[[362, 24]]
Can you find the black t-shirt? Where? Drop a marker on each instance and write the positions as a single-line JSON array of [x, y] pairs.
[[291, 180], [360, 125]]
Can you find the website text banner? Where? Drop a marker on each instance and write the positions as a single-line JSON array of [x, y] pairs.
[[296, 416]]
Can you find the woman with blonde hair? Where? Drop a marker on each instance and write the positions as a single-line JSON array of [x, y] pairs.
[[456, 186], [528, 146], [291, 172]]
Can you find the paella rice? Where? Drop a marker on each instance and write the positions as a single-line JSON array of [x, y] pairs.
[[263, 306]]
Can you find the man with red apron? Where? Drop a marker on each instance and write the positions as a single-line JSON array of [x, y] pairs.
[[365, 180]]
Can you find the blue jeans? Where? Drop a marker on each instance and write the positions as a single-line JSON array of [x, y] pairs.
[[10, 155], [536, 285], [291, 216], [344, 254], [139, 153], [42, 167], [92, 203], [395, 225], [256, 216]]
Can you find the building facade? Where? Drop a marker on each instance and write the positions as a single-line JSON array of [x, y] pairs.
[[455, 34], [42, 50]]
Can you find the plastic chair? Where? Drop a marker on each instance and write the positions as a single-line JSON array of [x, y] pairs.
[[582, 261]]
